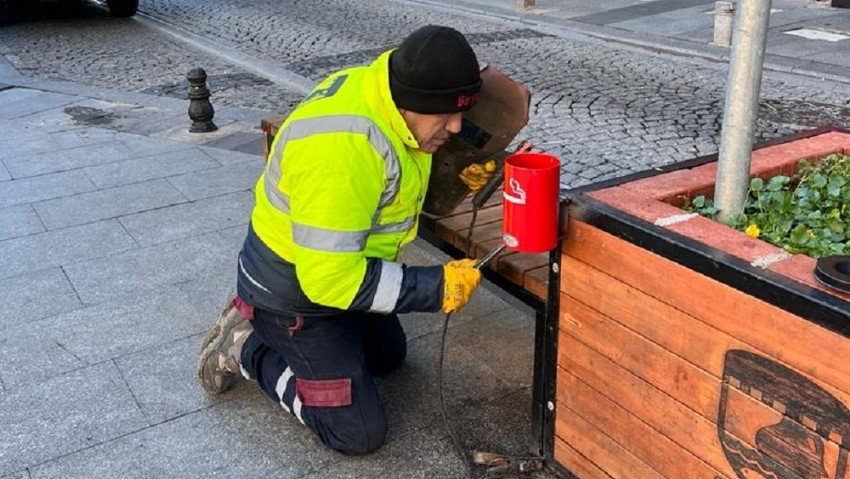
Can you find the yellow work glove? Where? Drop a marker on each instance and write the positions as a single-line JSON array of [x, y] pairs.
[[460, 279], [475, 176]]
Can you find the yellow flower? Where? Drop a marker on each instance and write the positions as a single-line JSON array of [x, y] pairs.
[[752, 231]]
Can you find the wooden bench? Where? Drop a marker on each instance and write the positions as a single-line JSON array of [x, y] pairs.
[[524, 275]]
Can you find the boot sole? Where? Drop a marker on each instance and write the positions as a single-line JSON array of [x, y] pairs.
[[226, 321]]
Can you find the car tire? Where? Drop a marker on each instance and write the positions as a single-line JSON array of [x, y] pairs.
[[122, 8]]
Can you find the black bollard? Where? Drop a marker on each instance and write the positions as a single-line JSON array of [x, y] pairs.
[[201, 111]]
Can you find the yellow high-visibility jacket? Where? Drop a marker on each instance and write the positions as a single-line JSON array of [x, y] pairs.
[[341, 194]]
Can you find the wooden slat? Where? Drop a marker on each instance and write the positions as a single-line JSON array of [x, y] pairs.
[[457, 226], [598, 449], [671, 374], [701, 344], [536, 282], [793, 341], [633, 435], [667, 416], [515, 266], [577, 464]]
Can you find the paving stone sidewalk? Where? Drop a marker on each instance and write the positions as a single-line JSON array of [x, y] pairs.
[[118, 250]]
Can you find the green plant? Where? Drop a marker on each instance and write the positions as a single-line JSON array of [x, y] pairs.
[[808, 214]]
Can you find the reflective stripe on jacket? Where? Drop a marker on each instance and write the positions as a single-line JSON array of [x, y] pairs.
[[340, 195]]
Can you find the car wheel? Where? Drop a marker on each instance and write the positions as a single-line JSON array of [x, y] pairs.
[[122, 8]]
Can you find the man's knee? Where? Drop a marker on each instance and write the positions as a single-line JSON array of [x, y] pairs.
[[355, 433]]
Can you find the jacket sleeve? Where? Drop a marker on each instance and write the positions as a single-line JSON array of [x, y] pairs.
[[333, 201]]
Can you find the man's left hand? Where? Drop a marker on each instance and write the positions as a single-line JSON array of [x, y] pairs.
[[475, 176]]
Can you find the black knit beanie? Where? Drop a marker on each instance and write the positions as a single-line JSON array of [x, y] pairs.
[[434, 70]]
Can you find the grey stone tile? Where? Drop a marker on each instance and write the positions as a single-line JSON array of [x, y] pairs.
[[484, 303], [19, 102], [147, 145], [668, 24], [160, 165], [40, 188], [501, 426], [42, 349], [28, 142], [34, 164], [4, 173], [504, 341], [227, 179], [13, 129], [164, 382], [236, 234], [214, 286], [228, 157], [18, 221], [64, 247], [241, 141], [190, 219], [34, 356], [36, 295], [157, 124], [19, 475], [247, 437], [422, 454], [148, 268], [68, 413], [833, 54], [411, 393], [109, 203]]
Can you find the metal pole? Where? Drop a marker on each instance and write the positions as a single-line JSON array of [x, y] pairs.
[[741, 109]]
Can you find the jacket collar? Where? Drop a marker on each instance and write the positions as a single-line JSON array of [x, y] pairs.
[[381, 69]]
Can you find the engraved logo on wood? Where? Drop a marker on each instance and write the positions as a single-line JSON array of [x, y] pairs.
[[775, 423]]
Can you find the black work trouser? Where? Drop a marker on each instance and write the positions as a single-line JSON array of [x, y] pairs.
[[320, 370]]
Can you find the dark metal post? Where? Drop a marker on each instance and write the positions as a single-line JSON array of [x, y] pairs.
[[201, 111]]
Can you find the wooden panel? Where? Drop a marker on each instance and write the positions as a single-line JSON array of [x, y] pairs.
[[664, 414], [790, 445], [640, 440], [676, 377], [663, 324], [734, 383], [579, 465], [598, 449], [795, 342]]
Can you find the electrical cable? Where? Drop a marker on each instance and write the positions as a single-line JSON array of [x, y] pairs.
[[455, 440]]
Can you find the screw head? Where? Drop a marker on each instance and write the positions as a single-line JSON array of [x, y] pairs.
[[550, 405], [556, 268]]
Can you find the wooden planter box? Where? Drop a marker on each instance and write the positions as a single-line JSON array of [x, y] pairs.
[[680, 348]]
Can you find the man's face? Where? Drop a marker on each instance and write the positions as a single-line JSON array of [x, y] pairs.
[[431, 131]]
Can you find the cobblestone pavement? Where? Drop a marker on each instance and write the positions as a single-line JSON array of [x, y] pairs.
[[607, 109]]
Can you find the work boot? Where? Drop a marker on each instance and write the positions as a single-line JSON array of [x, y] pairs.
[[221, 353]]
